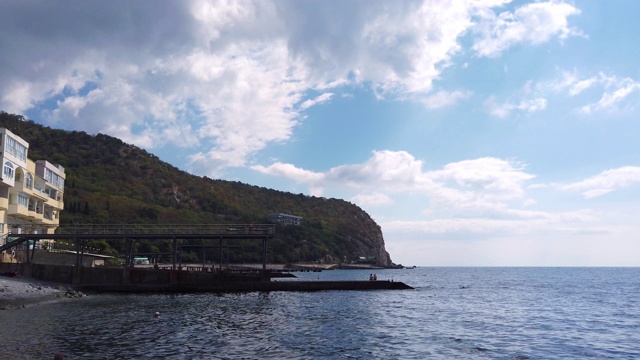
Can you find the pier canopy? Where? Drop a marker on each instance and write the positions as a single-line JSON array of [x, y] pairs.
[[169, 230], [148, 231]]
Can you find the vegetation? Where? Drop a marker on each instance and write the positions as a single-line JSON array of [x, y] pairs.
[[111, 182]]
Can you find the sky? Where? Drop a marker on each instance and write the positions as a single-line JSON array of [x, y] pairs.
[[475, 133]]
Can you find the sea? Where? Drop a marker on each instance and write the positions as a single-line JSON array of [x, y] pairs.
[[453, 313]]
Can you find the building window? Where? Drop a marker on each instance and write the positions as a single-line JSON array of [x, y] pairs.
[[28, 181], [16, 149], [54, 179], [8, 170], [48, 174], [23, 200]]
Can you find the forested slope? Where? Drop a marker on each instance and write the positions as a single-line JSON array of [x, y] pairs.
[[109, 181]]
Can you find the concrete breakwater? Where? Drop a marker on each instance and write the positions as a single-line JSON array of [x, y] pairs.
[[250, 286], [104, 279]]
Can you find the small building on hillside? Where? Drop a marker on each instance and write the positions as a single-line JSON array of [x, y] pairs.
[[285, 219]]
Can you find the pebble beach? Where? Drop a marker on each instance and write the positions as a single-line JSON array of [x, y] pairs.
[[18, 293]]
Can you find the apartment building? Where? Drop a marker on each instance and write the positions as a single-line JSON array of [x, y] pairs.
[[31, 192]]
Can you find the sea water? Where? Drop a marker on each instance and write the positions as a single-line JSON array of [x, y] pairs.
[[453, 313]]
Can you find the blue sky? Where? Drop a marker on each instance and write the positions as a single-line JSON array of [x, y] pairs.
[[479, 133]]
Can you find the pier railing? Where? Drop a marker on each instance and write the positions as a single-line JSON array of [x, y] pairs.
[[165, 229]]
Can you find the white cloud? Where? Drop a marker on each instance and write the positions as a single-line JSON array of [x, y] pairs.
[[610, 98], [613, 90], [291, 172], [582, 85], [533, 23], [444, 98], [492, 173], [505, 109], [395, 169], [550, 224], [318, 100], [373, 199], [605, 182], [19, 98], [485, 183], [440, 226]]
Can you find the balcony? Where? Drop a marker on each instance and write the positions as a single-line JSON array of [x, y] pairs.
[[56, 203], [48, 218], [16, 210], [35, 212]]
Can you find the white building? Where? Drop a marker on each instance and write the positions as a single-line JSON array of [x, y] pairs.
[[285, 219]]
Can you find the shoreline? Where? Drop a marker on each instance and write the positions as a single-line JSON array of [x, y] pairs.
[[19, 293]]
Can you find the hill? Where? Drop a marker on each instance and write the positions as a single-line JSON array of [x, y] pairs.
[[111, 182]]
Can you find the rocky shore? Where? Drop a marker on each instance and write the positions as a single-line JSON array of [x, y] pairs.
[[18, 293]]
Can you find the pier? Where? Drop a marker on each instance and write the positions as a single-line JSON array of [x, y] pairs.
[[173, 278]]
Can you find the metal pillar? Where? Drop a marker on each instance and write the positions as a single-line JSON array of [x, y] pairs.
[[27, 251], [128, 246], [126, 252], [78, 252], [84, 245], [131, 252], [203, 257], [33, 251], [175, 252], [264, 254], [220, 243]]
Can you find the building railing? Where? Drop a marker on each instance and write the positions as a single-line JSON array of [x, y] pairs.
[[40, 191]]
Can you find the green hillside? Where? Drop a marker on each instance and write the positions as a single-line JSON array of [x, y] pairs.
[[111, 182]]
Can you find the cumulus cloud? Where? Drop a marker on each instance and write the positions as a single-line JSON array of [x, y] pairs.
[[605, 182], [484, 183], [229, 78], [397, 169]]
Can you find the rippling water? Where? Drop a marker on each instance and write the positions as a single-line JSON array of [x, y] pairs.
[[484, 313]]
